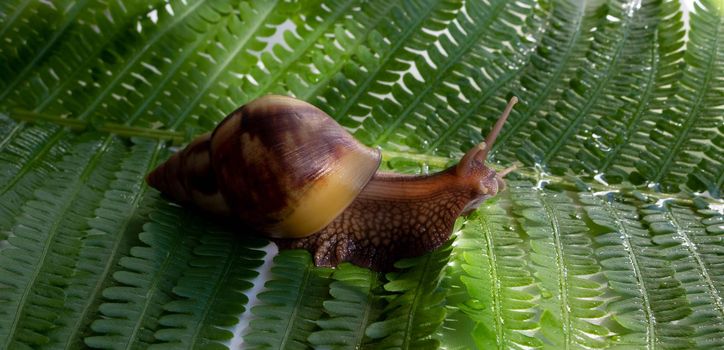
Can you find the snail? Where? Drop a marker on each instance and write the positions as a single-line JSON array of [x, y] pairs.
[[286, 169]]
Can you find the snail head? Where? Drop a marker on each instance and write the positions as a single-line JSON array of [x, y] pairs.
[[484, 181]]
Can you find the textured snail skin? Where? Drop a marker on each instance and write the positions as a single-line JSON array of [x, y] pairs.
[[287, 170], [398, 216]]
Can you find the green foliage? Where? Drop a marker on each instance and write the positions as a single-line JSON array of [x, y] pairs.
[[502, 300], [351, 309], [229, 264], [415, 304], [290, 304], [610, 234]]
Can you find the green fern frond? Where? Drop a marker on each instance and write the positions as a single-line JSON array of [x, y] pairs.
[[109, 237], [482, 67], [26, 26], [561, 254], [649, 301], [684, 129], [464, 47], [38, 264], [388, 48], [290, 304], [612, 70], [282, 69], [415, 307], [553, 63], [643, 87], [352, 308], [498, 282], [21, 171], [143, 74], [337, 55], [96, 25], [709, 175], [695, 258], [134, 303], [212, 292]]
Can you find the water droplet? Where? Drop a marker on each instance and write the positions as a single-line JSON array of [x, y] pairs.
[[600, 179]]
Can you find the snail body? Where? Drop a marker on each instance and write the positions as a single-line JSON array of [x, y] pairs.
[[285, 168]]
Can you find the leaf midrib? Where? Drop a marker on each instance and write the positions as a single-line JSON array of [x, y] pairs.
[[413, 306], [561, 269], [218, 284], [365, 319], [497, 289], [152, 291], [692, 249], [651, 334], [308, 271], [47, 146]]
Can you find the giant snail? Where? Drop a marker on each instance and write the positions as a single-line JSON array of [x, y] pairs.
[[286, 169]]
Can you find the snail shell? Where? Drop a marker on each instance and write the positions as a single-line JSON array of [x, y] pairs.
[[286, 167]]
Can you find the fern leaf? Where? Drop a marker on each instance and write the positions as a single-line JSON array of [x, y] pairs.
[[613, 55], [280, 61], [498, 282], [415, 309], [644, 85], [709, 175], [109, 236], [552, 65], [562, 257], [143, 285], [695, 259], [617, 88], [23, 167], [387, 47], [455, 125], [38, 265], [465, 44], [349, 39], [290, 305], [95, 27], [48, 24], [352, 308], [212, 292], [552, 133], [258, 20], [683, 131], [650, 302], [124, 96]]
